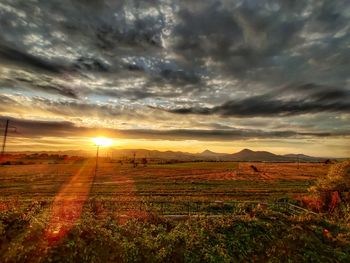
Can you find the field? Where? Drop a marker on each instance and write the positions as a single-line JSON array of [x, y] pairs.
[[180, 188], [185, 181], [64, 212]]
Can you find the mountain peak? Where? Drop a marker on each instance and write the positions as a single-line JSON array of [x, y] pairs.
[[246, 151], [206, 152], [249, 155], [209, 153]]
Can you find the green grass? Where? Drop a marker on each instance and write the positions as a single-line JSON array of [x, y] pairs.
[[198, 165], [223, 189], [160, 182], [266, 237], [243, 233]]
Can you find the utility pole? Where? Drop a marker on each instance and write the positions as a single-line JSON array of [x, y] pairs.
[[298, 162], [134, 160], [98, 148], [7, 127], [5, 137]]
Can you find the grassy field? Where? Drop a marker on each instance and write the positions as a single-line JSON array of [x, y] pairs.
[[184, 181], [63, 212], [180, 188]]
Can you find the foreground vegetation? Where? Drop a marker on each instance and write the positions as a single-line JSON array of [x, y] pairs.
[[266, 236], [63, 213]]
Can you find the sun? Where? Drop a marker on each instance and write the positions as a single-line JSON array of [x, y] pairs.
[[102, 141]]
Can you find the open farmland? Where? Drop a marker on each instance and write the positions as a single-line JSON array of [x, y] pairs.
[[62, 212], [181, 181]]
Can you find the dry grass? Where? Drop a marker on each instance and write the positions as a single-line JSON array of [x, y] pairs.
[[210, 181], [338, 179]]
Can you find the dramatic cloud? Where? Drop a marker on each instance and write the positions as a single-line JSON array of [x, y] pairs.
[[34, 128], [211, 69], [17, 56], [315, 99], [268, 41]]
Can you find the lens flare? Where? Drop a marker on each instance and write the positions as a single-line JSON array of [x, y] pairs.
[[102, 141]]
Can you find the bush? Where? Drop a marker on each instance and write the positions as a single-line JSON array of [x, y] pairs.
[[333, 188], [337, 179], [269, 238]]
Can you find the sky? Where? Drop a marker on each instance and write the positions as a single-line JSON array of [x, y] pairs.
[[177, 75]]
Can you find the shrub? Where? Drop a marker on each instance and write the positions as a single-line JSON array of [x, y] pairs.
[[337, 179], [331, 189]]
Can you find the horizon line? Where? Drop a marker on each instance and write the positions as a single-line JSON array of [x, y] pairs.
[[163, 151]]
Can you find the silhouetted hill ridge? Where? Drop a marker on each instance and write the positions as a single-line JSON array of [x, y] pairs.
[[206, 155]]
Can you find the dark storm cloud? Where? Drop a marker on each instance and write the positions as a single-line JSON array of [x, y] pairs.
[[170, 54], [268, 41], [238, 38], [314, 99], [180, 77], [36, 82], [35, 128], [57, 89], [133, 94], [104, 25], [91, 38], [90, 64], [13, 55], [79, 108]]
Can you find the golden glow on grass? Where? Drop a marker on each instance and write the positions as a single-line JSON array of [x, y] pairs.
[[102, 141], [67, 206]]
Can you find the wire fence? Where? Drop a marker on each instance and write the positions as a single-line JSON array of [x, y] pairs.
[[188, 208]]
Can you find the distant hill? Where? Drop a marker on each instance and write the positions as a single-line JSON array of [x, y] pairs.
[[207, 155], [302, 157], [68, 152], [249, 155], [143, 153]]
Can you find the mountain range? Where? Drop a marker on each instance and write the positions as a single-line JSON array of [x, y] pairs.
[[207, 155]]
